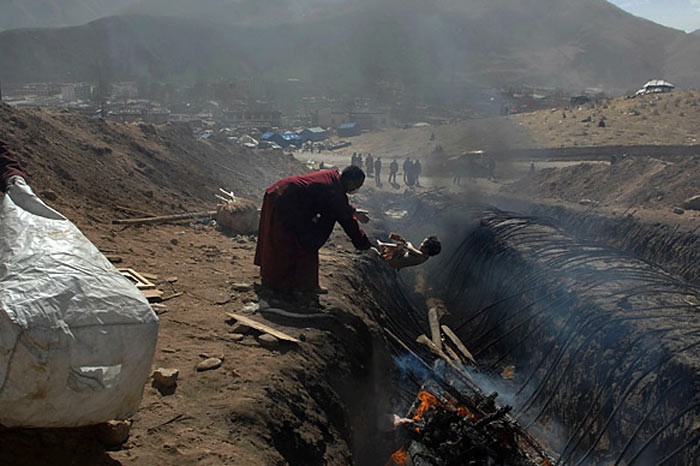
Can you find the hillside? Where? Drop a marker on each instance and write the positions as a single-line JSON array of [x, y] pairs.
[[94, 168], [569, 44], [653, 119]]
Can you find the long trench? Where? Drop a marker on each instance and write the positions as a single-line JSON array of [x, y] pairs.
[[604, 345]]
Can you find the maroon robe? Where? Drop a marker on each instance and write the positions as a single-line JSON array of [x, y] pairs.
[[297, 217], [9, 166]]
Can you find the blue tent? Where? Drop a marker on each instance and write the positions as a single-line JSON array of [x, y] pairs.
[[290, 138], [271, 136]]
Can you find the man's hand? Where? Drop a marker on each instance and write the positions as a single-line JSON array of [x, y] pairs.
[[362, 216]]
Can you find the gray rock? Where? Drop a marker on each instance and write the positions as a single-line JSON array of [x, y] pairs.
[[113, 434], [209, 364], [692, 203], [268, 341], [165, 378], [242, 287], [236, 337], [678, 210]]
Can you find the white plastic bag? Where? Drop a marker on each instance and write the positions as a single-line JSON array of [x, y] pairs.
[[76, 338]]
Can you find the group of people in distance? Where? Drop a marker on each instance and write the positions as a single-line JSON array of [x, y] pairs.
[[297, 218], [411, 169]]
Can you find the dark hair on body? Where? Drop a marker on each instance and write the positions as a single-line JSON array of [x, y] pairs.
[[432, 246]]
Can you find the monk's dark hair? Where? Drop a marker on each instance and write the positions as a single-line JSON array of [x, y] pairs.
[[352, 173], [432, 246]]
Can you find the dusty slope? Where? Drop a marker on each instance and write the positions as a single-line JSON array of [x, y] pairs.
[[94, 166], [662, 119]]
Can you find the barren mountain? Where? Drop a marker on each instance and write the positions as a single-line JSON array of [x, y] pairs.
[[567, 44], [45, 13]]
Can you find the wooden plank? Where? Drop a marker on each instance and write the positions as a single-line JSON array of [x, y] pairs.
[[152, 295], [262, 327], [453, 354], [460, 346], [165, 218], [139, 280], [434, 327], [423, 340]]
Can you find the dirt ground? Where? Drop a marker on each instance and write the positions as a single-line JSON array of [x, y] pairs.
[[278, 404]]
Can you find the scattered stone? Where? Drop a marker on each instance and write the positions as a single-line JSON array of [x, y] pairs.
[[209, 364], [588, 202], [239, 328], [171, 279], [236, 337], [165, 378], [678, 210], [209, 356], [113, 434], [252, 308], [48, 195], [242, 287], [268, 341], [174, 241], [692, 203]]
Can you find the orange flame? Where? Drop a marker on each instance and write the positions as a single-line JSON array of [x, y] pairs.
[[399, 458], [426, 401]]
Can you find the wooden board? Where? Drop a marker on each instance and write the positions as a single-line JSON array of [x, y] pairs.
[[458, 343], [262, 327], [434, 327], [137, 279]]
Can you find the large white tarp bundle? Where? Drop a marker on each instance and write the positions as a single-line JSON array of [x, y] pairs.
[[76, 338]]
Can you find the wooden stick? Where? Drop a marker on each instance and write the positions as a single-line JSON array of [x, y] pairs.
[[434, 327], [460, 346], [164, 218], [172, 296], [423, 340], [262, 327]]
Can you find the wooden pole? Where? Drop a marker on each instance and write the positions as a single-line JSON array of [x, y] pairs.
[[164, 218]]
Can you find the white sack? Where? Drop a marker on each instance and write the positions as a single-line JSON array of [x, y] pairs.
[[76, 338]]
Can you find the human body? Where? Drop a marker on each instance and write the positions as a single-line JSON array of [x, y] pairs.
[[297, 218], [403, 254], [393, 170]]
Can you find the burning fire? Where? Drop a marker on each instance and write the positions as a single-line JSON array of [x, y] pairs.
[[426, 401], [399, 458]]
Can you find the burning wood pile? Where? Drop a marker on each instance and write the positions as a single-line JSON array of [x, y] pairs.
[[452, 421]]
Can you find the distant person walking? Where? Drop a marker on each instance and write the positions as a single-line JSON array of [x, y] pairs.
[[410, 175], [378, 171], [407, 165], [393, 170], [369, 164], [417, 170]]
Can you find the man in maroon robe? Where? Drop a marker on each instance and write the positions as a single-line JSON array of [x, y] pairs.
[[297, 217], [10, 169]]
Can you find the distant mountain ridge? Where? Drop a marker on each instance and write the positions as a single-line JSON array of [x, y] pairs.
[[15, 14], [570, 44]]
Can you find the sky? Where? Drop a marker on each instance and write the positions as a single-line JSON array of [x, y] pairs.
[[678, 14]]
